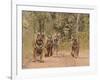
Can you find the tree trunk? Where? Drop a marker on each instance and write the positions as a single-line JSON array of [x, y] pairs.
[[77, 25]]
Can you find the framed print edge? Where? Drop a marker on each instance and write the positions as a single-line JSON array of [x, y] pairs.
[[18, 73]]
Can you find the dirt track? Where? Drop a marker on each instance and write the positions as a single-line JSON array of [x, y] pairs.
[[59, 61]]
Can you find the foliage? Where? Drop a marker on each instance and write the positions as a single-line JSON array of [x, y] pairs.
[[68, 25]]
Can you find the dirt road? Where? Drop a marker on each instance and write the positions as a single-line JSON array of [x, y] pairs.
[[59, 61]]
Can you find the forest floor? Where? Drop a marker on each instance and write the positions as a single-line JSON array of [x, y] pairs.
[[59, 61]]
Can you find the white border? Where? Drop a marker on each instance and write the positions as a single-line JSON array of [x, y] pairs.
[[18, 73]]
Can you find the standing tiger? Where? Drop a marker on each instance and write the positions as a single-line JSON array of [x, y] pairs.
[[49, 46], [38, 48], [56, 44], [75, 48]]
